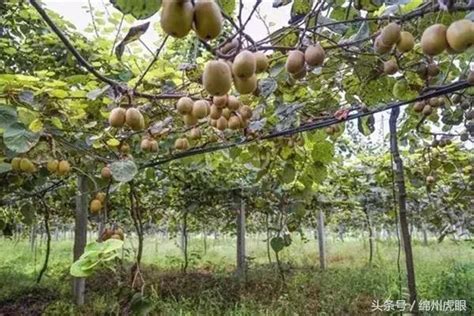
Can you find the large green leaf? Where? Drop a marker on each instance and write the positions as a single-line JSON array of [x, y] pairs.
[[5, 167], [19, 139], [140, 9], [277, 243], [7, 116], [124, 170], [133, 34]]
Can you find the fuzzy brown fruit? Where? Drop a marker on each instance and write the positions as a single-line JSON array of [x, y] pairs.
[[145, 144], [380, 47], [432, 70], [117, 117], [195, 133], [406, 42], [418, 107], [207, 19], [176, 17], [101, 196], [314, 55], [390, 34], [233, 44], [52, 166], [299, 75], [15, 163], [390, 67], [295, 62], [27, 165], [245, 85], [64, 167], [246, 112], [200, 109], [217, 78], [190, 120], [134, 119], [215, 112], [427, 110], [430, 180], [95, 206], [233, 103], [234, 122], [153, 146], [261, 62], [181, 144], [460, 35], [470, 78], [184, 105], [433, 40], [244, 65], [220, 101], [221, 123], [106, 173]]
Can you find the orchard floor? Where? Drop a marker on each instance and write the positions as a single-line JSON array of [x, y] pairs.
[[348, 286]]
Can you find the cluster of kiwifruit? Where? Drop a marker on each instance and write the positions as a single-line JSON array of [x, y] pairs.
[[297, 60], [442, 142], [106, 173], [218, 74], [23, 164], [427, 106], [456, 38], [430, 180], [59, 167], [332, 129], [112, 233], [392, 35], [131, 117], [149, 144], [97, 202], [178, 17]]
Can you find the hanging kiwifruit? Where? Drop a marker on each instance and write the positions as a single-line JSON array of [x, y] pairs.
[[470, 78], [195, 133], [64, 167], [419, 106], [246, 112], [189, 120], [380, 47], [15, 163], [153, 146], [432, 70], [27, 165], [220, 101], [433, 40], [261, 62], [200, 109], [427, 110], [295, 62], [117, 117], [233, 103], [221, 123], [207, 19], [95, 206], [234, 122], [314, 55], [244, 65], [101, 196], [245, 85], [390, 67], [226, 113], [299, 75], [227, 47], [184, 105], [176, 17], [145, 144], [430, 180], [134, 119], [52, 165], [215, 112], [106, 173], [406, 42], [390, 34], [217, 78], [181, 143], [460, 35]]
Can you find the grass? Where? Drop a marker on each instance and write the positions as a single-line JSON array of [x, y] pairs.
[[349, 285]]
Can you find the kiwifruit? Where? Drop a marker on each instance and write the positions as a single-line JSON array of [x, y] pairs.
[[299, 75], [212, 122], [380, 47], [227, 47], [52, 165], [433, 102], [314, 55], [464, 136], [470, 78], [134, 119], [101, 196], [390, 67], [390, 34], [221, 123], [233, 103], [215, 112], [295, 61], [106, 173], [469, 115], [95, 206], [406, 42], [15, 163], [433, 40], [64, 167], [456, 98], [427, 110], [217, 78], [181, 144], [418, 107], [441, 101], [220, 101], [460, 35], [465, 105], [195, 133], [430, 179], [432, 70], [190, 120], [246, 112], [153, 146], [226, 113], [176, 17], [124, 148], [261, 62], [245, 64], [117, 117], [184, 105], [234, 122], [145, 144], [27, 166], [329, 130], [245, 85], [200, 109], [207, 19]]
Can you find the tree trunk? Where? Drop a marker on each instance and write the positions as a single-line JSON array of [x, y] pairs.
[[267, 241], [321, 241], [80, 236], [371, 235], [425, 235], [184, 241], [33, 237], [241, 268], [401, 197]]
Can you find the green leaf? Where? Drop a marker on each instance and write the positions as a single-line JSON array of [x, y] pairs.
[[133, 34], [277, 243], [366, 124], [77, 271], [323, 151], [7, 116], [228, 6], [139, 9], [5, 167], [288, 174], [19, 139], [124, 170]]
